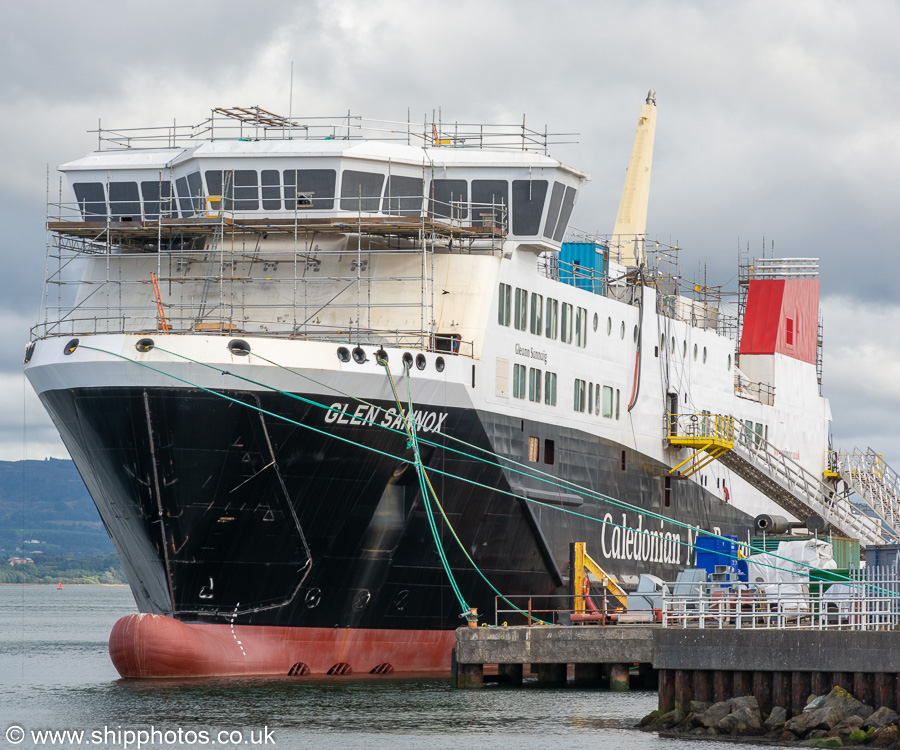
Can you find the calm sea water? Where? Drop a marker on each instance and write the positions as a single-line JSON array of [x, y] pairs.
[[55, 673]]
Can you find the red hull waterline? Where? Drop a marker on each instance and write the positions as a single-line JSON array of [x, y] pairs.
[[144, 645]]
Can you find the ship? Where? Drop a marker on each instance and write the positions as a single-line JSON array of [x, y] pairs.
[[329, 379]]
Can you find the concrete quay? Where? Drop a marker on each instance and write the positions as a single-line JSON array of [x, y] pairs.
[[780, 667]]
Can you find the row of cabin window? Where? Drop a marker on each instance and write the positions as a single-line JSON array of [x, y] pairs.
[[535, 391], [588, 395], [545, 316], [314, 189]]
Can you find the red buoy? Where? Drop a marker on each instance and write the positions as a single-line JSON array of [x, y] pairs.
[[58, 588]]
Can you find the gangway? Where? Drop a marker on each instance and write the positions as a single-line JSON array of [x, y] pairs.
[[873, 480], [749, 455]]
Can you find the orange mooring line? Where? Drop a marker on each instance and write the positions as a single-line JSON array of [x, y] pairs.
[[163, 323]]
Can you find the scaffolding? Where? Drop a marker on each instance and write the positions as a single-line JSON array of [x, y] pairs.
[[334, 278]]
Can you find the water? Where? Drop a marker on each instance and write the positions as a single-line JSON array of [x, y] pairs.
[[55, 673]]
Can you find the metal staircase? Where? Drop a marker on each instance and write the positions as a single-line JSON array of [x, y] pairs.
[[877, 484], [800, 492]]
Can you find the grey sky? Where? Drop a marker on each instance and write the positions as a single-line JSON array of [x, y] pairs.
[[776, 120]]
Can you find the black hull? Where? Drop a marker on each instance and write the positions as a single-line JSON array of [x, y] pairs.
[[224, 513]]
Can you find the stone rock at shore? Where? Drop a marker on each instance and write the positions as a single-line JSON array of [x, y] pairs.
[[847, 726], [882, 717], [698, 707], [714, 714], [826, 742], [743, 721], [843, 701], [777, 718], [825, 718], [885, 736]]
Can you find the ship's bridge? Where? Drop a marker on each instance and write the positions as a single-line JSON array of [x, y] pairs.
[[476, 179]]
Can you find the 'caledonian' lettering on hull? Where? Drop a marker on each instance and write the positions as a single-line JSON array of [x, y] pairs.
[[619, 541]]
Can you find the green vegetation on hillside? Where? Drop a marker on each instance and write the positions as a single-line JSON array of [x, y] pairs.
[[53, 569]]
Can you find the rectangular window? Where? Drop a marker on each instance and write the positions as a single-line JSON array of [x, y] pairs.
[[91, 198], [579, 394], [549, 452], [556, 198], [597, 398], [245, 191], [550, 389], [521, 321], [403, 196], [519, 381], [759, 433], [534, 449], [503, 306], [552, 318], [271, 189], [534, 385], [617, 403], [566, 323], [490, 199], [528, 205], [590, 394], [667, 493], [361, 191], [150, 192], [309, 189], [789, 332], [607, 401], [565, 213], [190, 194], [449, 198], [537, 308], [581, 327], [124, 201]]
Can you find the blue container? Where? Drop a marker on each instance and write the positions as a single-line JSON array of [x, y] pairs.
[[712, 551], [585, 265]]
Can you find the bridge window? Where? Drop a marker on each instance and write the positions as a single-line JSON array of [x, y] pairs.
[[527, 206], [360, 191], [556, 198], [271, 190], [490, 202], [190, 193], [309, 189], [124, 201], [446, 194], [403, 196], [565, 214], [150, 192], [91, 199]]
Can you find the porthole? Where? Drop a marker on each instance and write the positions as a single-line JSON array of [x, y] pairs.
[[673, 345], [312, 598], [704, 355], [361, 599], [608, 326], [144, 345], [635, 333], [343, 354], [359, 356], [421, 361], [596, 321], [381, 356], [622, 331], [662, 343], [407, 360], [439, 364], [400, 470], [695, 352], [401, 600], [70, 347], [683, 349], [239, 347], [729, 363]]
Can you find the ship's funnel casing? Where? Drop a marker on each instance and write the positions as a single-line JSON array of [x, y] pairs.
[[631, 219], [782, 317]]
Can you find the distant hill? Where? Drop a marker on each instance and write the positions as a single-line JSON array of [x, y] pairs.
[[56, 508]]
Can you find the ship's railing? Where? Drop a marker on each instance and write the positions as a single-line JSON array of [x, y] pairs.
[[561, 609], [574, 274], [869, 600], [256, 124], [763, 393]]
